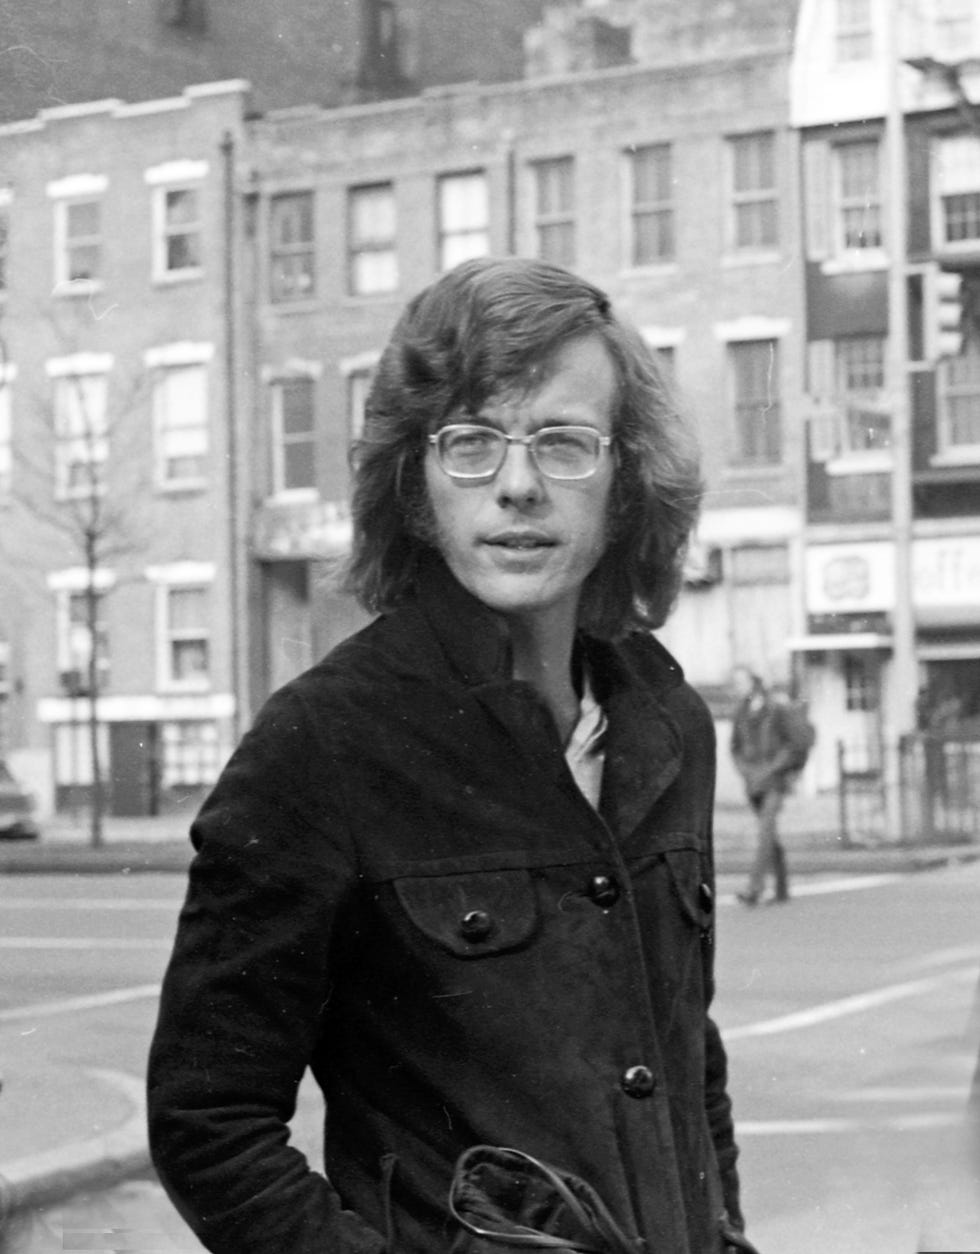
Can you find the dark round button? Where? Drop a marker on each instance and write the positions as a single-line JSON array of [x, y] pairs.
[[638, 1082], [603, 890], [475, 925], [707, 898]]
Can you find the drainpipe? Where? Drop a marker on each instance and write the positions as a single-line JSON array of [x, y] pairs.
[[231, 432]]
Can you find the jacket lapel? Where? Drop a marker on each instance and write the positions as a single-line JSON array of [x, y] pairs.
[[643, 758]]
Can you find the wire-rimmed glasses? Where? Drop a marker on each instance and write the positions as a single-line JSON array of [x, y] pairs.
[[471, 451]]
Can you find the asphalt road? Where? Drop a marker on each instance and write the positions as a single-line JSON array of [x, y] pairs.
[[850, 1017]]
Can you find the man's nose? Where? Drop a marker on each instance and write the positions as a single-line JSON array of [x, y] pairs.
[[518, 479]]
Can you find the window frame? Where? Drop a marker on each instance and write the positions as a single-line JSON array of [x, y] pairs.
[[281, 439], [162, 233], [65, 243], [843, 204], [771, 403], [853, 32], [291, 250], [555, 174], [91, 446], [754, 197], [377, 248], [950, 390], [662, 209], [477, 230], [162, 430], [941, 179]]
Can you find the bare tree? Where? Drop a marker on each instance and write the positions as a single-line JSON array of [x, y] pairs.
[[82, 480]]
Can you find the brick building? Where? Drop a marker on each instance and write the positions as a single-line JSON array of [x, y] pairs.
[[114, 443]]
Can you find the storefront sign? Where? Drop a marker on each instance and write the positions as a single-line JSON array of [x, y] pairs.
[[850, 578], [946, 573]]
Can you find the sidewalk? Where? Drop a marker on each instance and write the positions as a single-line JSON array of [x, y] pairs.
[[64, 1130]]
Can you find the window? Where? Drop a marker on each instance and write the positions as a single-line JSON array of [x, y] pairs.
[[80, 425], [358, 386], [753, 174], [464, 218], [179, 242], [858, 196], [76, 648], [6, 434], [291, 262], [4, 238], [957, 213], [554, 210], [853, 35], [373, 261], [80, 232], [188, 641], [860, 683], [759, 564], [959, 400], [190, 15], [180, 421], [293, 438], [758, 424], [860, 361], [191, 754], [651, 205]]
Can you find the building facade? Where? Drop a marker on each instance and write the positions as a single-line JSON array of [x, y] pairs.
[[671, 187], [860, 69], [117, 557]]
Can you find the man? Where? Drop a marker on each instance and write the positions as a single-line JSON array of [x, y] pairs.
[[462, 868], [764, 753]]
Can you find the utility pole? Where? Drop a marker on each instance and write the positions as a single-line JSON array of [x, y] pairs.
[[904, 667]]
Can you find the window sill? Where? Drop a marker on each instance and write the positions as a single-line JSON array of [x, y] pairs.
[[860, 464], [958, 455], [79, 287], [747, 470], [182, 486], [293, 496], [173, 278], [652, 269], [172, 688], [858, 261], [751, 257], [304, 304]]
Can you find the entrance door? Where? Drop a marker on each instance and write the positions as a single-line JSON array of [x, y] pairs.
[[133, 757]]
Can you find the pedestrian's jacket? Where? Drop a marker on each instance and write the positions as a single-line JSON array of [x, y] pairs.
[[762, 746], [398, 884]]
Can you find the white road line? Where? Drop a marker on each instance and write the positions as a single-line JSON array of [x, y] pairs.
[[83, 942], [89, 903], [822, 1127], [856, 1004], [93, 1001]]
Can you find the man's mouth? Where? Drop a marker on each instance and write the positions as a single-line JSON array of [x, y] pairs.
[[520, 540]]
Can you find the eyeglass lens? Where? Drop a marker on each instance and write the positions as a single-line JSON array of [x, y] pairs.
[[558, 452]]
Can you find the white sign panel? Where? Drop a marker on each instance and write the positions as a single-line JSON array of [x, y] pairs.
[[850, 578], [946, 573]]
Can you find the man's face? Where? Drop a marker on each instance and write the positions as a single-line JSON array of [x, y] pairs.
[[524, 544]]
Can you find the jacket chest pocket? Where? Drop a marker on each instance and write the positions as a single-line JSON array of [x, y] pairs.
[[473, 914]]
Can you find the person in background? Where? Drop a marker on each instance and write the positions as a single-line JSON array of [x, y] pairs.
[[462, 868], [763, 751]]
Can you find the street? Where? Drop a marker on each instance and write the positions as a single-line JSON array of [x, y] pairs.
[[850, 1018]]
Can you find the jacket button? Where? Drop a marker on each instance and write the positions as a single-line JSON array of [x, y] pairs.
[[603, 890], [638, 1082], [706, 898], [475, 925]]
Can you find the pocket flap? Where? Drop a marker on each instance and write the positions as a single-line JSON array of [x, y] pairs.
[[474, 914]]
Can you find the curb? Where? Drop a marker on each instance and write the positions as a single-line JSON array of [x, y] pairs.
[[74, 858], [95, 1163]]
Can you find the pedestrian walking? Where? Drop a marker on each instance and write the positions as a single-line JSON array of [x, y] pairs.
[[462, 868], [767, 752]]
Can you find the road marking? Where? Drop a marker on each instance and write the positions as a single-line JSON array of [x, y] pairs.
[[856, 1004], [823, 1127], [821, 887], [83, 942], [90, 903], [93, 1001]]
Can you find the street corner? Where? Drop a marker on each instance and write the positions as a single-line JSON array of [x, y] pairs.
[[66, 1128]]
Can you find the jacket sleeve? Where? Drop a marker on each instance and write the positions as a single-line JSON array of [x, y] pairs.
[[241, 999]]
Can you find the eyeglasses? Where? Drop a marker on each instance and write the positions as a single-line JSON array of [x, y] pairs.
[[470, 451]]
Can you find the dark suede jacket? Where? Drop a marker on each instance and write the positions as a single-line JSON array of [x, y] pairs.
[[398, 884]]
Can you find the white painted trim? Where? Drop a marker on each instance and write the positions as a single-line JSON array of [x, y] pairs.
[[78, 363], [225, 87], [6, 196], [181, 353], [183, 171], [664, 337], [76, 579], [722, 528], [8, 372], [148, 707], [186, 573], [359, 362], [752, 327], [77, 185], [85, 109], [291, 369], [140, 108]]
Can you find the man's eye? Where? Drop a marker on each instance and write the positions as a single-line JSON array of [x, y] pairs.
[[470, 443], [565, 443]]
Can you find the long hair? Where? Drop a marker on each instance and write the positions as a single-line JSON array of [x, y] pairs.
[[486, 326]]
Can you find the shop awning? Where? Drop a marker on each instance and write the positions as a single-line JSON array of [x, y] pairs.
[[838, 641]]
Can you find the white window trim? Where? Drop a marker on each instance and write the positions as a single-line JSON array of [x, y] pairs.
[[159, 361], [75, 366], [940, 244], [176, 576], [79, 363], [734, 253], [76, 579], [752, 328], [180, 353], [664, 337], [170, 172], [63, 285], [295, 369], [629, 207], [359, 362], [78, 187], [159, 272]]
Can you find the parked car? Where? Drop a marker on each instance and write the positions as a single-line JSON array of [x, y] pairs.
[[17, 806]]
